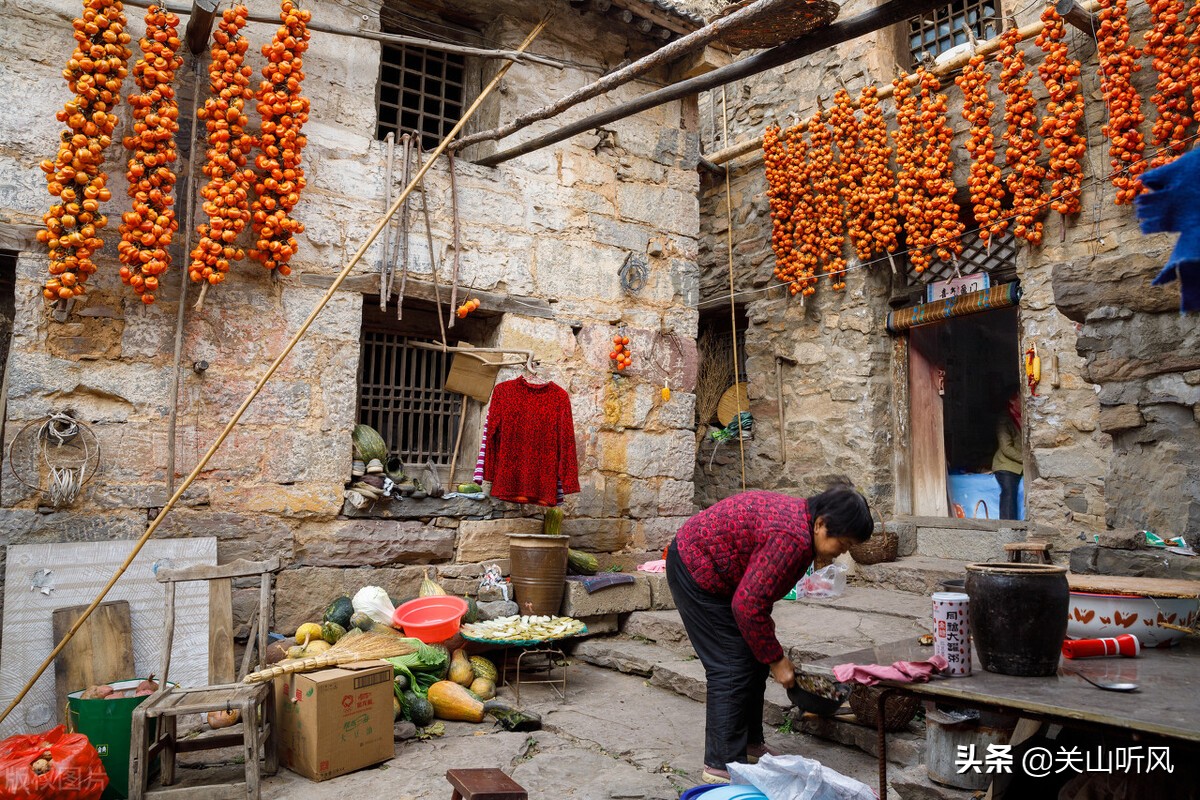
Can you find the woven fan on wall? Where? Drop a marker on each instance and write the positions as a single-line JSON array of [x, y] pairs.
[[777, 22]]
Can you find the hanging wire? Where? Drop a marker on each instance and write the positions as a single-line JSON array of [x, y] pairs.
[[65, 449]]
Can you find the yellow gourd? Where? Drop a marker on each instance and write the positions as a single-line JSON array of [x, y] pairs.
[[461, 671], [451, 701], [429, 587], [483, 687], [308, 632]]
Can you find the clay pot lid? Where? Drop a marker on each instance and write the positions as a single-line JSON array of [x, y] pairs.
[[1018, 568]]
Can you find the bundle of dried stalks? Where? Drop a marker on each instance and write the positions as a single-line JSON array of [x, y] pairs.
[[714, 375]]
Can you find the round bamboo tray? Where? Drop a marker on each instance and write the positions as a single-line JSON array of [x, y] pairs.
[[735, 399], [778, 22], [898, 709]]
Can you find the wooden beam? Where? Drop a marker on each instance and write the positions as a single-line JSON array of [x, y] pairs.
[[424, 290], [664, 55], [200, 25], [1078, 17], [18, 236], [887, 14], [658, 16]]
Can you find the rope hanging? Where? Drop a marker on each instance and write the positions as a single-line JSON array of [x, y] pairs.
[[732, 306]]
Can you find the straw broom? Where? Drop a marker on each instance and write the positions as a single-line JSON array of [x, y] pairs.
[[354, 646]]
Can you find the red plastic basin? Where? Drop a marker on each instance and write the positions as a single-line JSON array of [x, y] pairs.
[[430, 619]]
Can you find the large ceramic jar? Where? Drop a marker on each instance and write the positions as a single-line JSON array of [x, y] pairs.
[[1018, 616]]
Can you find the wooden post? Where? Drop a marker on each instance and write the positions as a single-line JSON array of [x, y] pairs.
[[200, 24], [887, 14], [1078, 17]]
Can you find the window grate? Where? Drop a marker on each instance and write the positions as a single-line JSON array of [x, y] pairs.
[[941, 29], [420, 90], [976, 257], [401, 396]]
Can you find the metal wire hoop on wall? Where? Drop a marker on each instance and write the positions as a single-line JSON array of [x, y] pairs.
[[55, 456]]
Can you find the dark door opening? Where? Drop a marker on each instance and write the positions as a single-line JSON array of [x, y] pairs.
[[963, 372]]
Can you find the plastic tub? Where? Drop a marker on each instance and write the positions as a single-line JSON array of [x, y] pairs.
[[431, 619]]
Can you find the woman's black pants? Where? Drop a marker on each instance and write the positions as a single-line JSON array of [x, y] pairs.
[[1009, 481], [736, 679]]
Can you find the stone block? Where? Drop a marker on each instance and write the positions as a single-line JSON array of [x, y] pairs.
[[494, 609], [372, 543], [652, 535], [1122, 539], [480, 540], [1115, 419], [601, 624], [598, 535], [660, 592], [611, 600]]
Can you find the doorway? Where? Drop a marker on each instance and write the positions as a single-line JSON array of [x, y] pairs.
[[962, 372]]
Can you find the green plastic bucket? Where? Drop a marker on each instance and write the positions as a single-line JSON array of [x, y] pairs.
[[108, 725]]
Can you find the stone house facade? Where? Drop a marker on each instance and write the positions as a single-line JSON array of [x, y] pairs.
[[1110, 438], [543, 241]]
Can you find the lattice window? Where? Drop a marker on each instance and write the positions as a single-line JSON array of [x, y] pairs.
[[937, 31], [401, 396], [420, 90], [976, 257]]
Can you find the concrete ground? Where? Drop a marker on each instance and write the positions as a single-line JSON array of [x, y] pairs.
[[615, 736]]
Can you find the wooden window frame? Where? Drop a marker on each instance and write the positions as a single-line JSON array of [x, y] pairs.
[[941, 29]]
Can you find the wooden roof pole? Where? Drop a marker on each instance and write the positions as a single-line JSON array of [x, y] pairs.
[[882, 16], [664, 55], [200, 23]]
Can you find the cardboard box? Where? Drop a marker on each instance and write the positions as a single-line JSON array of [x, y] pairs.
[[336, 720]]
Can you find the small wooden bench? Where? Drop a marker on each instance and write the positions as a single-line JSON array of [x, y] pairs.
[[1016, 550], [484, 784]]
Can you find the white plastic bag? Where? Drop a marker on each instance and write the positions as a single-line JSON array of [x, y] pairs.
[[798, 778], [828, 581]]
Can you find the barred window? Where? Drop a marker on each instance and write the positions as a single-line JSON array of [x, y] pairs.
[[998, 258], [401, 390], [420, 90], [937, 31]]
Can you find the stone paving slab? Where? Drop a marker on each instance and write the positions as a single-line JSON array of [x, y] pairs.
[[625, 654]]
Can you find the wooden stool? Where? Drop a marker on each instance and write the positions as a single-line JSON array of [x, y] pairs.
[[484, 784], [1040, 551]]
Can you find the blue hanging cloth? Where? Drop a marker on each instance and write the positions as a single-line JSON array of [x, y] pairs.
[[1173, 204]]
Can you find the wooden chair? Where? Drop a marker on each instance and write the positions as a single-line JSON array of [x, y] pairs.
[[254, 702]]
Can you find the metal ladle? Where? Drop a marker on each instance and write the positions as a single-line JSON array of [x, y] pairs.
[[1108, 686]]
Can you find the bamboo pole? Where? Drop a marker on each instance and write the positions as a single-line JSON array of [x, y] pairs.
[[237, 415], [940, 70], [664, 55]]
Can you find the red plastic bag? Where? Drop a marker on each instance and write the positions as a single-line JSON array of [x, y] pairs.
[[74, 769]]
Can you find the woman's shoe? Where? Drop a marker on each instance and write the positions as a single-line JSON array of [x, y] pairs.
[[756, 751], [714, 775]]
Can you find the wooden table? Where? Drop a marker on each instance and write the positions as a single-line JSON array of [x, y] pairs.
[[1166, 707]]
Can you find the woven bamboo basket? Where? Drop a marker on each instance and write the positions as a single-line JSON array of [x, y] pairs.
[[883, 546], [778, 22], [898, 709]]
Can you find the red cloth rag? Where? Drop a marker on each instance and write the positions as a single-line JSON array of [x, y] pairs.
[[899, 671]]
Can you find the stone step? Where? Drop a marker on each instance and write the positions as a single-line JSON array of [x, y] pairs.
[[684, 675], [810, 629], [919, 575], [966, 545]]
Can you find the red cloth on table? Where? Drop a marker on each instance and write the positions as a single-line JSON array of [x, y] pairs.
[[531, 443], [752, 547], [898, 671]]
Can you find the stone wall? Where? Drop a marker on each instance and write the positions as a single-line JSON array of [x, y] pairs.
[[1118, 400], [555, 225]]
